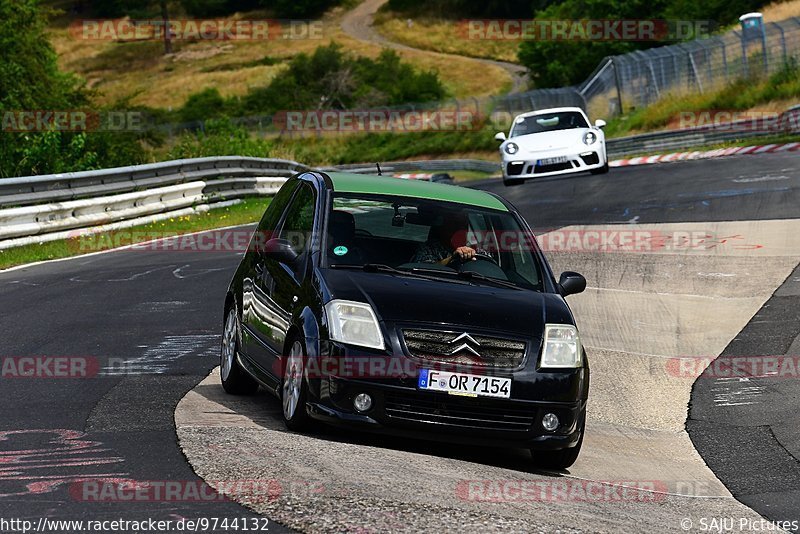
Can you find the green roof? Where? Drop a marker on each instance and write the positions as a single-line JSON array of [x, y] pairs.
[[386, 185]]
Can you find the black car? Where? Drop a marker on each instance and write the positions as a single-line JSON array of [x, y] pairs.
[[408, 308]]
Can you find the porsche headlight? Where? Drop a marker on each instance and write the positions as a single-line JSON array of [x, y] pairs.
[[512, 148], [589, 138], [354, 323], [562, 348]]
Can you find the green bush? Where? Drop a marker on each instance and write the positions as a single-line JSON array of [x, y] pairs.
[[332, 79], [136, 9], [29, 75], [299, 8], [55, 152], [466, 8], [207, 104], [219, 138]]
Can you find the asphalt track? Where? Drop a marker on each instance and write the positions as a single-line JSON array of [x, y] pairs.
[[160, 313]]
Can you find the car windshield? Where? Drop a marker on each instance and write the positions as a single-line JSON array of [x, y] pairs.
[[421, 236], [548, 122]]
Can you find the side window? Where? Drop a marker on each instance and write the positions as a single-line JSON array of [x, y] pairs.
[[269, 221], [299, 223]]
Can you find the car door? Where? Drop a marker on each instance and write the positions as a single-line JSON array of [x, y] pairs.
[[276, 285], [254, 301]]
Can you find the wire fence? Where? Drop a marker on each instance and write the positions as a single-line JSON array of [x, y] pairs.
[[640, 78]]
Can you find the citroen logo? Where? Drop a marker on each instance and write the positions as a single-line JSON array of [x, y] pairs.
[[467, 342]]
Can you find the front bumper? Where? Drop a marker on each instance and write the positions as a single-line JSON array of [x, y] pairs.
[[400, 408], [528, 166]]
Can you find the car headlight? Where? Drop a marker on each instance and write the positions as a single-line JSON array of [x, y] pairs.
[[354, 323], [589, 138], [512, 148], [562, 348]]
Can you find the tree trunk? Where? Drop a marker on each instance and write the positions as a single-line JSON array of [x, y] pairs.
[[167, 34]]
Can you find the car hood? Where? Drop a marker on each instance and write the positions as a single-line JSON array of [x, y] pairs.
[[538, 142], [396, 298]]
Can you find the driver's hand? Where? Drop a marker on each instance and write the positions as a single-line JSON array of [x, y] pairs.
[[465, 253]]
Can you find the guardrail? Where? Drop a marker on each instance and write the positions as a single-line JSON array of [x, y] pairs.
[[51, 207], [44, 208], [786, 123], [76, 185], [477, 165]]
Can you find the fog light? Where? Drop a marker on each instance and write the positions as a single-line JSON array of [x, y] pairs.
[[550, 421], [363, 402]]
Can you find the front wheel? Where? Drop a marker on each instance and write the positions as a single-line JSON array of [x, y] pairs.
[[512, 181], [294, 390], [563, 458], [235, 380]]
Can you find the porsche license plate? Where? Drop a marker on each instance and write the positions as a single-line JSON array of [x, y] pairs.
[[551, 161], [464, 384]]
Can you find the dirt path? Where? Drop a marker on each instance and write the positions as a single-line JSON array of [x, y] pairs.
[[357, 23]]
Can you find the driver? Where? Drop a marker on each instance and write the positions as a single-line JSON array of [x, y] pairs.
[[446, 242]]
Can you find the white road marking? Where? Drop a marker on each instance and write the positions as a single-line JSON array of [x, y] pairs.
[[157, 359], [178, 273], [728, 392], [767, 178]]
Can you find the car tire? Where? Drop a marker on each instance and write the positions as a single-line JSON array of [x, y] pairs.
[[235, 380], [600, 170], [294, 390], [512, 181], [561, 459]]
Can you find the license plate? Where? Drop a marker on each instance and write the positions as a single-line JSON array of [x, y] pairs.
[[464, 384], [551, 161]]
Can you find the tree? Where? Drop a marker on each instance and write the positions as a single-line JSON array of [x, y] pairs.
[[29, 75], [557, 63], [30, 80]]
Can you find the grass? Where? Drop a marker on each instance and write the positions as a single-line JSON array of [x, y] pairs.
[[248, 211], [140, 75], [773, 94], [333, 150], [442, 35], [781, 10]]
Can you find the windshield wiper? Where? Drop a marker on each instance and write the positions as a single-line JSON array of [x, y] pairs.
[[380, 268], [469, 275], [427, 274], [472, 275]]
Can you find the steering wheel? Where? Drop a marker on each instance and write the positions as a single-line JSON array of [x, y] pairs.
[[456, 261]]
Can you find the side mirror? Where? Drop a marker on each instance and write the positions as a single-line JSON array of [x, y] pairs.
[[571, 283], [280, 250], [500, 136], [600, 123]]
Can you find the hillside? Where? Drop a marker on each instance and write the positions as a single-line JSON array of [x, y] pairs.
[[140, 74]]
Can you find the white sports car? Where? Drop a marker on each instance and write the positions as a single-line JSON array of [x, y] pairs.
[[550, 142]]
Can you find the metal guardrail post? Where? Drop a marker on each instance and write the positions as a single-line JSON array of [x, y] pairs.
[[783, 42], [725, 59], [618, 84], [694, 69], [744, 54]]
